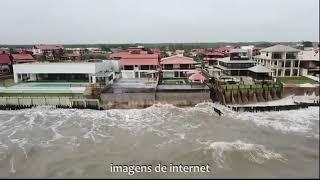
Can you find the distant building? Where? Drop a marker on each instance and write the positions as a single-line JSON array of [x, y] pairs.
[[282, 60], [179, 51], [177, 66], [225, 50], [40, 49], [239, 54]]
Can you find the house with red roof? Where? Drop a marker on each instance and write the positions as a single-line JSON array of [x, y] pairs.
[[135, 64], [177, 66], [5, 63], [22, 58]]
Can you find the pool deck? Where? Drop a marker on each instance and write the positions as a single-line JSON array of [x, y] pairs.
[[42, 88]]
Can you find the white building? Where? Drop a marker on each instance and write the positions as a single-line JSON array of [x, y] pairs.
[[309, 62], [282, 60], [65, 72]]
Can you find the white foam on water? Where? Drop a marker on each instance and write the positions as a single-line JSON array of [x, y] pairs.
[[300, 121], [296, 121], [253, 152]]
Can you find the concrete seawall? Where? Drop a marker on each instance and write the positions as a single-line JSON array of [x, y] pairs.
[[142, 100], [296, 90]]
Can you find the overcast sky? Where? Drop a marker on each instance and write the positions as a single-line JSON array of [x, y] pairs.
[[149, 21]]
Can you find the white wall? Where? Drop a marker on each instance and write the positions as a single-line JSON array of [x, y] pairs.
[[54, 68], [168, 74], [112, 65], [127, 73]]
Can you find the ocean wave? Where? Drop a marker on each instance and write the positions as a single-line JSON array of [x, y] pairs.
[[222, 152]]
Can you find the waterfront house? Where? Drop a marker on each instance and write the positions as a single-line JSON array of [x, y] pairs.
[[22, 58], [5, 63], [211, 58], [91, 72], [236, 64], [282, 60], [137, 63], [176, 66], [309, 62]]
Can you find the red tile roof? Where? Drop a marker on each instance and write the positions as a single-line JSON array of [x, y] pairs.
[[5, 59], [22, 57], [139, 62], [177, 60], [127, 55], [48, 47], [197, 77]]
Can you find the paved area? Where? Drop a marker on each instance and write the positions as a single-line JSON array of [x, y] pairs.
[[135, 83]]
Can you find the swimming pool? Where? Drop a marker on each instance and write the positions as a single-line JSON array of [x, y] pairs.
[[46, 88]]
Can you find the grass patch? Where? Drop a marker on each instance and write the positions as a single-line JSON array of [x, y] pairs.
[[296, 80]]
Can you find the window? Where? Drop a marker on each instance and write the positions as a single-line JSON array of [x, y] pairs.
[[128, 67], [296, 63], [176, 74], [291, 56], [288, 63], [168, 66], [184, 66], [144, 67], [276, 55], [287, 72]]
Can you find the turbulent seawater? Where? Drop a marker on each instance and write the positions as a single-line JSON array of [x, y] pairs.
[[54, 143]]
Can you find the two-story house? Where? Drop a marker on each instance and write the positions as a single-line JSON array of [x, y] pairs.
[[177, 66], [282, 60], [236, 64]]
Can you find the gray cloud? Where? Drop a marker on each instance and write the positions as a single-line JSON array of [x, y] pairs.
[[127, 21]]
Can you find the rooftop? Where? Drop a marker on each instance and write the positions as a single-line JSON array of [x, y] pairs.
[[238, 50], [5, 59], [177, 59], [128, 55], [227, 60], [309, 55], [279, 48], [139, 62], [48, 47], [22, 57], [259, 69]]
